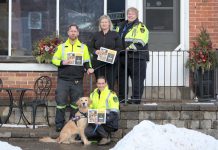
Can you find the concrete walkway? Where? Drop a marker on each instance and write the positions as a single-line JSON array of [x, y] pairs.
[[34, 144], [27, 139]]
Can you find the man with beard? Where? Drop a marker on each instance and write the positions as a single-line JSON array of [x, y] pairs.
[[70, 77]]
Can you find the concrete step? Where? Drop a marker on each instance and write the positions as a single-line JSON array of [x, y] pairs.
[[11, 132]]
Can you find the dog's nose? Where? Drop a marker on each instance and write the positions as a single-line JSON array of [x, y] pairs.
[[84, 103]]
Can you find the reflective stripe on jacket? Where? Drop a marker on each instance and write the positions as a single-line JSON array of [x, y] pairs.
[[135, 37], [71, 72], [63, 49], [137, 34]]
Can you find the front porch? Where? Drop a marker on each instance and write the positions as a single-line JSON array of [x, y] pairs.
[[168, 98], [202, 117]]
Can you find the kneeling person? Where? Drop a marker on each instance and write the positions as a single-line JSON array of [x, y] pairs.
[[103, 98]]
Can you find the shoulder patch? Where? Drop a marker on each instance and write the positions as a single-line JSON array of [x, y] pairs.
[[115, 99], [142, 30]]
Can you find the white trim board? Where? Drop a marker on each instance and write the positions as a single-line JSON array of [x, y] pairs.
[[27, 67]]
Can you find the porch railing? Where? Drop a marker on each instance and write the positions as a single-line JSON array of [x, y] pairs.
[[167, 79]]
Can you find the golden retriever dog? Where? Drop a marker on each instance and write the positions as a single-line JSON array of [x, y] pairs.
[[71, 129]]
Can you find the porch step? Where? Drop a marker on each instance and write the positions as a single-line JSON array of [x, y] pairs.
[[9, 132]]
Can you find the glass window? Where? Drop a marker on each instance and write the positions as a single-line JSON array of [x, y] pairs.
[[116, 11], [82, 12], [164, 23], [31, 21], [4, 27], [159, 3], [159, 15]]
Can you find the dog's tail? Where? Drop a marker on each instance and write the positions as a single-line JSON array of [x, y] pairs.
[[48, 140]]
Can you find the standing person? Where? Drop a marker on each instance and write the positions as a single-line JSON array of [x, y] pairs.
[[134, 35], [107, 38], [103, 98], [70, 77]]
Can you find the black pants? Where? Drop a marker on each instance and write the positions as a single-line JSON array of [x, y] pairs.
[[102, 131], [74, 90], [109, 71], [136, 70]]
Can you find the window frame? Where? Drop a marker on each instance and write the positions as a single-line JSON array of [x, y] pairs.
[[8, 60]]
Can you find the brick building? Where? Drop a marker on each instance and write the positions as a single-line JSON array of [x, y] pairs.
[[172, 23]]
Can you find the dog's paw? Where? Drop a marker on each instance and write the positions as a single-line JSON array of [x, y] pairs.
[[87, 142]]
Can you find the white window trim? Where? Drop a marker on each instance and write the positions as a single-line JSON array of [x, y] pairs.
[[184, 24], [105, 7], [57, 17], [9, 27]]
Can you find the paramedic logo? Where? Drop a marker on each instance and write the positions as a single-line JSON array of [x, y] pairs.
[[117, 15]]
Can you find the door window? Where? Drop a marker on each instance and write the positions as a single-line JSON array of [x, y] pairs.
[[162, 19], [116, 11]]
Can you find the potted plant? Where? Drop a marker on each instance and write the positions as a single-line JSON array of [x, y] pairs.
[[202, 61], [202, 56], [44, 49]]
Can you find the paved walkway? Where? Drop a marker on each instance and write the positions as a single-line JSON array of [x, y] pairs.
[[27, 139], [34, 144]]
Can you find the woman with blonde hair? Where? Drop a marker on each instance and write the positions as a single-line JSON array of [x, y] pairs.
[[109, 39]]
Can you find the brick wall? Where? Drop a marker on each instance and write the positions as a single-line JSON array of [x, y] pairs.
[[27, 80], [204, 13], [195, 116]]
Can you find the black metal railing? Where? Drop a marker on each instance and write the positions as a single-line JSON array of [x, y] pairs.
[[167, 78]]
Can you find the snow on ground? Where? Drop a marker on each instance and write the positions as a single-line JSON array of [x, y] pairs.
[[6, 146], [150, 136]]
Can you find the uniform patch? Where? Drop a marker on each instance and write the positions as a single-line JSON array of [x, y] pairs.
[[115, 99], [142, 30]]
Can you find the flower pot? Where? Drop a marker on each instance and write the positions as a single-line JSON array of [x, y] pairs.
[[204, 85]]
